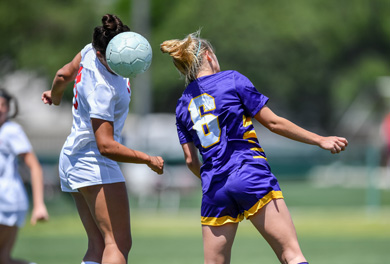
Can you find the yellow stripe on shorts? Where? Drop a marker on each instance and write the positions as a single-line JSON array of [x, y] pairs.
[[263, 201], [218, 221]]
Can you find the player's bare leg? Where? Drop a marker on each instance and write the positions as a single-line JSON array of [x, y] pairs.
[[8, 236], [109, 207], [274, 222], [218, 242], [95, 237]]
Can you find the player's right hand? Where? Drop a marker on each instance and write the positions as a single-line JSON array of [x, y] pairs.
[[46, 97], [39, 213], [334, 144], [156, 164]]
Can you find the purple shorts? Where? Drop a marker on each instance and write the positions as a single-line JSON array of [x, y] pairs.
[[241, 194]]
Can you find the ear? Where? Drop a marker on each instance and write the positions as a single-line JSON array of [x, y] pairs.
[[207, 54], [99, 55]]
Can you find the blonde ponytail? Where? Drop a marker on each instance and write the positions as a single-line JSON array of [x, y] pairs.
[[187, 54]]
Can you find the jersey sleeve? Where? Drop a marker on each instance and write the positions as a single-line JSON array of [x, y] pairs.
[[101, 103], [183, 134], [252, 99], [18, 141]]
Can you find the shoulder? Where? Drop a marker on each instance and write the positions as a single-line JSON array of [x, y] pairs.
[[87, 49], [12, 127], [239, 76], [229, 73], [12, 131], [180, 103], [88, 57], [240, 80], [89, 72], [225, 77]]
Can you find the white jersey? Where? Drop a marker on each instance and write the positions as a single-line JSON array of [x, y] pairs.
[[13, 141], [97, 94]]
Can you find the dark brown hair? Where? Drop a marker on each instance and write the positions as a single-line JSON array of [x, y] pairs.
[[102, 35], [9, 98]]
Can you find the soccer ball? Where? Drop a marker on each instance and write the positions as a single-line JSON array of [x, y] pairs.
[[129, 54]]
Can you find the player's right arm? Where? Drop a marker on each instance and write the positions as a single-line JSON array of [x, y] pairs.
[[63, 77], [191, 158]]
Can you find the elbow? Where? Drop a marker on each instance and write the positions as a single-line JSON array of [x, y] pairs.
[[60, 76], [105, 149], [191, 163], [277, 125], [104, 152], [273, 127], [55, 102], [64, 75]]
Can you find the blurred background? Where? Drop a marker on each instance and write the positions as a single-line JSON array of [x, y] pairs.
[[324, 64]]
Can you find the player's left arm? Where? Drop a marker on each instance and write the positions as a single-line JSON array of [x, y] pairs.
[[39, 211], [286, 128], [191, 158]]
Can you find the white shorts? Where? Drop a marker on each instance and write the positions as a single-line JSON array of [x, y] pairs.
[[77, 171], [13, 218]]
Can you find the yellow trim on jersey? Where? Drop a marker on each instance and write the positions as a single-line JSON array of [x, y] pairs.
[[262, 202], [218, 221], [208, 129], [250, 134], [246, 121], [257, 149], [252, 141], [260, 157]]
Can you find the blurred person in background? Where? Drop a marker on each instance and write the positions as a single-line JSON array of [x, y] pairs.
[[214, 115], [14, 146], [385, 133], [88, 161]]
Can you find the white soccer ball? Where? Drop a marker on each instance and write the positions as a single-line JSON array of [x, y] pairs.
[[129, 54]]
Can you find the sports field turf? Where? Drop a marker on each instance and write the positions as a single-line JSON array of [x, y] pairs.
[[333, 225]]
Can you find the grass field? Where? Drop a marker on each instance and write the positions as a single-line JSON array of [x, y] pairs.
[[333, 225]]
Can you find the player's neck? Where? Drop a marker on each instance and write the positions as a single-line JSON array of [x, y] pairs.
[[206, 72]]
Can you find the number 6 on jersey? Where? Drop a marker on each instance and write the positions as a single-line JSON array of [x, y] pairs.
[[206, 125]]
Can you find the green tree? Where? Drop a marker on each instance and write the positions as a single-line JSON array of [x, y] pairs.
[[42, 36], [310, 57]]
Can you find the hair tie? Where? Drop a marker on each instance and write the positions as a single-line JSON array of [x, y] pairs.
[[200, 44]]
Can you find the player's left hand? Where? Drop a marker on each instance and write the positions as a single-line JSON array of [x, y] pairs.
[[334, 144], [156, 164]]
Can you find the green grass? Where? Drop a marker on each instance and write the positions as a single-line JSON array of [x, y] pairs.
[[333, 225]]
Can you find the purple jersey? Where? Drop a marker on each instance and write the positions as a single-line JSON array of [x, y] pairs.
[[215, 113]]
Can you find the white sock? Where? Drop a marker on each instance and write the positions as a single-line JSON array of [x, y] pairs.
[[89, 262]]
